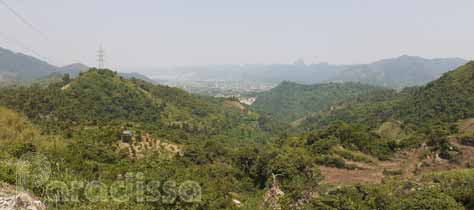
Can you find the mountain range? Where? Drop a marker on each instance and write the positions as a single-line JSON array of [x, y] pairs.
[[357, 146], [403, 71]]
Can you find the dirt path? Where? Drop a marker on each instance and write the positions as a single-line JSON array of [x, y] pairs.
[[406, 162], [339, 176], [467, 153], [409, 163]]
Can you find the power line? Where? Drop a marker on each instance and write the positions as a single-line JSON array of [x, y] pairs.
[[24, 46], [30, 25], [22, 19]]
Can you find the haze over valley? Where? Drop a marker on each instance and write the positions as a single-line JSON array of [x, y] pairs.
[[201, 105]]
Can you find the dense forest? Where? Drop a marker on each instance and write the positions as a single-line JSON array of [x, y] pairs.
[[413, 146], [291, 101], [445, 100]]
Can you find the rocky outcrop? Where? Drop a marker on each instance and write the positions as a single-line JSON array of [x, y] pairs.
[[272, 198], [10, 199], [139, 146]]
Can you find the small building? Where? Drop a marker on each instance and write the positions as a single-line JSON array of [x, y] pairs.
[[126, 136]]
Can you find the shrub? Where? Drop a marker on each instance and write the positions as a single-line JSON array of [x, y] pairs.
[[428, 200], [459, 184], [392, 172], [467, 140]]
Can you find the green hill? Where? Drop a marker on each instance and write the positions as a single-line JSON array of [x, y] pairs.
[[445, 100], [75, 124], [18, 68], [290, 101], [101, 97]]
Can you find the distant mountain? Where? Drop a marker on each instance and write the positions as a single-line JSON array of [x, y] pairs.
[[137, 75], [396, 73], [21, 67], [290, 101], [74, 69], [399, 72], [274, 73]]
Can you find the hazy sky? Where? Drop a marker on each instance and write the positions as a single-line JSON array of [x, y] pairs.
[[148, 33]]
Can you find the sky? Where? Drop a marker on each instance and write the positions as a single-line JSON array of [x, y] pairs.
[[155, 33]]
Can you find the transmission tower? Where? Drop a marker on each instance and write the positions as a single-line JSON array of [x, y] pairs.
[[100, 57]]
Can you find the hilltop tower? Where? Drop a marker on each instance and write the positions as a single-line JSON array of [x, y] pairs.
[[100, 57]]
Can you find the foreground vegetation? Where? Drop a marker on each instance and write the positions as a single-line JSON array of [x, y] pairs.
[[239, 158]]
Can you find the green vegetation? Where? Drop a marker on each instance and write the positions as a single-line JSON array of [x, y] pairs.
[[290, 101], [243, 159], [442, 101], [467, 139], [101, 97], [222, 167], [394, 195]]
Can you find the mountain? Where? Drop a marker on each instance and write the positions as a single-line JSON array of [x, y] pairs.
[[445, 100], [404, 71], [395, 73], [21, 67], [102, 125], [291, 101], [73, 69], [272, 73], [137, 75], [448, 99]]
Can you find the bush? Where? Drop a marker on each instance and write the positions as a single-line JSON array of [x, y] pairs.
[[352, 155], [428, 200], [392, 172], [459, 184], [331, 160], [467, 140], [411, 142]]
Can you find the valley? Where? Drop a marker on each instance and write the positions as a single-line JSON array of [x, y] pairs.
[[236, 105], [100, 125]]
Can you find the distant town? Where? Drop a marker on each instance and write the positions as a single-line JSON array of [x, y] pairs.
[[243, 90]]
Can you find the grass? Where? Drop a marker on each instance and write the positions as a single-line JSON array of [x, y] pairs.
[[353, 155]]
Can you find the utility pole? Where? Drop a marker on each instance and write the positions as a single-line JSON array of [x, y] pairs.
[[100, 57]]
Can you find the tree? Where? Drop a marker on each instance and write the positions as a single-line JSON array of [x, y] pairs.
[[66, 78], [428, 200]]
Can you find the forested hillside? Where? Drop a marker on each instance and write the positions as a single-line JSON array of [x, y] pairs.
[[379, 149], [445, 100], [236, 105], [290, 101], [101, 97]]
